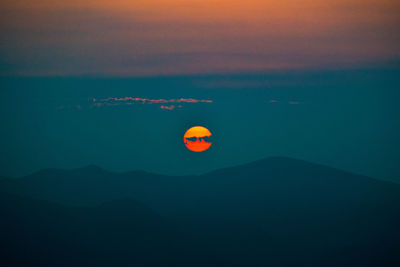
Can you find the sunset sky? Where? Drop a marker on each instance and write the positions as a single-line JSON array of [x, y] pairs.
[[118, 83], [161, 37]]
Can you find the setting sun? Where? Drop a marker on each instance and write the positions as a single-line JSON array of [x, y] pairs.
[[197, 139]]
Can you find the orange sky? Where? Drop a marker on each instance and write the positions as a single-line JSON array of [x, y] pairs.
[[151, 37]]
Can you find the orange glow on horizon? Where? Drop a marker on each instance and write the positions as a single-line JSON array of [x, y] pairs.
[[196, 36], [195, 139]]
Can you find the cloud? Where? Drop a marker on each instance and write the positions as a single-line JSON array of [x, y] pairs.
[[174, 103], [128, 99], [162, 103], [172, 107]]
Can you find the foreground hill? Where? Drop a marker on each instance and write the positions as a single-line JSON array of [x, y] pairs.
[[277, 211], [118, 233]]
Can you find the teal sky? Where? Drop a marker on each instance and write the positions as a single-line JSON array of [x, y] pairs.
[[342, 118], [316, 80]]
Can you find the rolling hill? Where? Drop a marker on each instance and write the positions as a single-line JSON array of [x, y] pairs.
[[277, 211]]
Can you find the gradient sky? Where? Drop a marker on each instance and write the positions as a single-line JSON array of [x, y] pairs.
[[117, 83], [153, 37]]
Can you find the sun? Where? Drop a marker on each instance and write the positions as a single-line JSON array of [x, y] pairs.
[[197, 139]]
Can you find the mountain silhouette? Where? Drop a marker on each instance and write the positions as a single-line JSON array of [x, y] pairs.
[[276, 211], [117, 233]]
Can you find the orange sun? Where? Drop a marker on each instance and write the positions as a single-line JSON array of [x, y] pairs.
[[197, 139]]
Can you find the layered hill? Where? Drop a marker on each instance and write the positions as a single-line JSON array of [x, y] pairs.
[[277, 211]]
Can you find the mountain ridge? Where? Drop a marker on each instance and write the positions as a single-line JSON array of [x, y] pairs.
[[92, 168], [92, 185], [279, 212]]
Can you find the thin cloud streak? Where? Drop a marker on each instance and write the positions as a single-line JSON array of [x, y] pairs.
[[117, 101], [165, 104], [172, 107], [129, 99]]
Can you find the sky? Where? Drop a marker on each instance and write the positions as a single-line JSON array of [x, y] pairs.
[[118, 83], [164, 37]]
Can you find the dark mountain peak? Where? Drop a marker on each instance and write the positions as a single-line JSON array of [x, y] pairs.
[[91, 168], [144, 175], [281, 161], [277, 158], [284, 168], [137, 172], [46, 172], [274, 163]]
